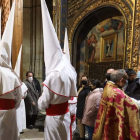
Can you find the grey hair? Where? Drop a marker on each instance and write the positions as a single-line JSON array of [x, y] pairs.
[[117, 75]]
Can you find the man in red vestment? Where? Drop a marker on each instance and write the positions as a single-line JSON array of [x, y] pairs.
[[118, 115]]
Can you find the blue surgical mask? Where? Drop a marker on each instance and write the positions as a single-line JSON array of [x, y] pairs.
[[138, 74]]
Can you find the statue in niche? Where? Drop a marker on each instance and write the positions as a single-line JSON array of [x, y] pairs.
[[92, 44], [109, 44]]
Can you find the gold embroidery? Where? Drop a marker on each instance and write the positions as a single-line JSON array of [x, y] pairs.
[[125, 116]]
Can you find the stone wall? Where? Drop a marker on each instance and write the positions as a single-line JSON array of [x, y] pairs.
[[32, 38]]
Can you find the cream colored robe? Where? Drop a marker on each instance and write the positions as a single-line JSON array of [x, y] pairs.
[[55, 127], [8, 122]]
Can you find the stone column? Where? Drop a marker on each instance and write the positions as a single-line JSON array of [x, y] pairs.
[[32, 38]]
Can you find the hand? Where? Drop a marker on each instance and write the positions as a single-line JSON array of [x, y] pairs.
[[33, 103]]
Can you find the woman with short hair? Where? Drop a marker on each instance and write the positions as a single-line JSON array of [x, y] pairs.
[[92, 106], [82, 94]]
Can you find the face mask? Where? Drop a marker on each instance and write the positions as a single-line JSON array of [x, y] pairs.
[[108, 76], [90, 88], [83, 82], [30, 79]]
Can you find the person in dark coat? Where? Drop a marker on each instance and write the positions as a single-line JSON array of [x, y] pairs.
[[108, 73], [133, 87], [31, 100], [83, 92], [37, 85]]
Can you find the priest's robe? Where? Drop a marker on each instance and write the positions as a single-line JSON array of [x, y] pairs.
[[118, 116]]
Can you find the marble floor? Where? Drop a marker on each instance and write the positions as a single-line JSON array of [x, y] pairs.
[[38, 132]]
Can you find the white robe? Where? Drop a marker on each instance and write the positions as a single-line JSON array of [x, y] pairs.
[[21, 115], [72, 108], [8, 123], [56, 127]]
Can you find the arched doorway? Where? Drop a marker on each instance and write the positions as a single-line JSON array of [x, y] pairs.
[[99, 42]]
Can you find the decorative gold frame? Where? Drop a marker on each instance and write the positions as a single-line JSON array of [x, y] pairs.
[[130, 10], [103, 58]]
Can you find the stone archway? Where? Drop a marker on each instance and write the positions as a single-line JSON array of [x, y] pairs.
[[126, 11], [130, 11]]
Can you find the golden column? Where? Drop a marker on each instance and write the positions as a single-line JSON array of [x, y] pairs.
[[5, 4], [18, 25], [18, 31]]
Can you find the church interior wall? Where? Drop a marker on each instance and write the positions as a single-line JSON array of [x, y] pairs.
[[79, 24], [32, 38], [95, 67], [78, 28], [90, 48]]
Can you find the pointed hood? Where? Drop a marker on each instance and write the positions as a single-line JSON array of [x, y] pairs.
[[8, 32], [52, 49], [9, 80], [60, 75], [17, 70], [66, 45], [17, 66]]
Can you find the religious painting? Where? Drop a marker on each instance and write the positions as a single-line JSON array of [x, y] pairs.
[[91, 44], [93, 41], [90, 49], [108, 48]]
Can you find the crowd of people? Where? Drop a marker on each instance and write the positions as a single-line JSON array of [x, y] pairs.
[[109, 110], [91, 94]]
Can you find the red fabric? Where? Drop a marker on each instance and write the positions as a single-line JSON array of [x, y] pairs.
[[73, 117], [118, 116], [57, 109], [7, 104], [71, 98], [10, 91]]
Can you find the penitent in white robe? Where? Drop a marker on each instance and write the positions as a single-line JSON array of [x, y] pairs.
[[55, 127], [8, 123], [21, 115], [72, 108]]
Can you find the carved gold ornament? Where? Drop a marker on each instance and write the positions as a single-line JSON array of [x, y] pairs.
[[130, 10]]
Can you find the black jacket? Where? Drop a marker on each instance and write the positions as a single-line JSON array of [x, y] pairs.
[[32, 96], [81, 101], [133, 89], [38, 87]]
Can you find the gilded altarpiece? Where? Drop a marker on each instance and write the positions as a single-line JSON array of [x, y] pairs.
[[60, 18], [130, 10], [18, 22], [56, 16]]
